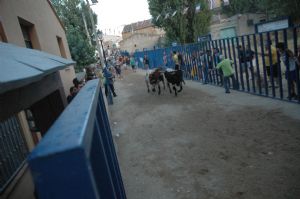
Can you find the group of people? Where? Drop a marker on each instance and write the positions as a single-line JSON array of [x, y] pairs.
[[205, 63], [77, 85]]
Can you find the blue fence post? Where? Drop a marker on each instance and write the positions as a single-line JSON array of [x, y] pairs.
[[219, 75], [287, 65], [251, 64], [264, 64], [240, 66], [224, 47], [235, 64], [76, 159], [279, 68], [245, 63], [103, 123], [257, 65], [271, 64]]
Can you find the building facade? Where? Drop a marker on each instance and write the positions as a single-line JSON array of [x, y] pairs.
[[241, 24], [222, 26], [140, 35], [28, 111]]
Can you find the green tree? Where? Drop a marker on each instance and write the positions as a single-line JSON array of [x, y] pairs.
[[70, 13], [272, 8], [182, 27]]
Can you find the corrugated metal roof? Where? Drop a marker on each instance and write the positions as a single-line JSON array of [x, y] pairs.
[[22, 66]]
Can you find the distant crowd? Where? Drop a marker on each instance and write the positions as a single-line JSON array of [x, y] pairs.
[[114, 69]]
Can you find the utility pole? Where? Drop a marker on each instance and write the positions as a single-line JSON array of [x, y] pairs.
[[100, 50]]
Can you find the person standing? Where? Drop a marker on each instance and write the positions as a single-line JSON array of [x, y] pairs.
[[165, 59], [108, 82], [226, 66], [175, 59], [132, 63], [146, 62], [274, 65], [73, 93], [289, 60]]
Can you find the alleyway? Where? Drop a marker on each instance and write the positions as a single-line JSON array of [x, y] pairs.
[[205, 144]]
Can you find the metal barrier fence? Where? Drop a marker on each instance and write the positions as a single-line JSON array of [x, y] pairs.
[[77, 158], [13, 150], [264, 74]]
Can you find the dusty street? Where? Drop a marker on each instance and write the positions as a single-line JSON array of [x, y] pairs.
[[205, 144]]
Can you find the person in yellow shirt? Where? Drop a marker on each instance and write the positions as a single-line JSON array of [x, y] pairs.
[[274, 65], [175, 59]]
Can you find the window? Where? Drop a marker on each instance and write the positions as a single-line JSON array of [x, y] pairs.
[[26, 35], [61, 47], [13, 151], [2, 34], [227, 32], [29, 34]]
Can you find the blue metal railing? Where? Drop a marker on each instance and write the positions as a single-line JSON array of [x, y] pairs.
[[13, 150], [255, 77], [77, 159]]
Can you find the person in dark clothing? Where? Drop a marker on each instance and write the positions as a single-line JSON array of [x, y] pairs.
[[289, 60], [77, 83], [73, 93], [108, 82], [146, 61]]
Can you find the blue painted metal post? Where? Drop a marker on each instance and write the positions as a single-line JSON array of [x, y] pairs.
[[287, 65], [224, 45], [240, 66], [219, 76], [229, 49], [251, 64], [279, 68], [235, 64], [271, 64], [76, 159], [245, 68], [263, 62], [257, 64]]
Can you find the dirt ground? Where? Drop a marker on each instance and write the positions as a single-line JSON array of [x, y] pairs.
[[205, 144]]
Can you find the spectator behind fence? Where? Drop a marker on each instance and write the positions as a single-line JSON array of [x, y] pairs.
[[225, 66], [274, 66], [165, 59], [146, 62], [90, 73], [175, 58], [289, 60], [78, 84], [132, 63], [73, 93], [180, 60], [245, 57]]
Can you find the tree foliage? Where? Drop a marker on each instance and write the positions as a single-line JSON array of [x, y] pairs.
[[272, 8], [70, 12], [182, 28]]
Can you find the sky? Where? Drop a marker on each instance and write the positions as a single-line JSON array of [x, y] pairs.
[[114, 14]]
